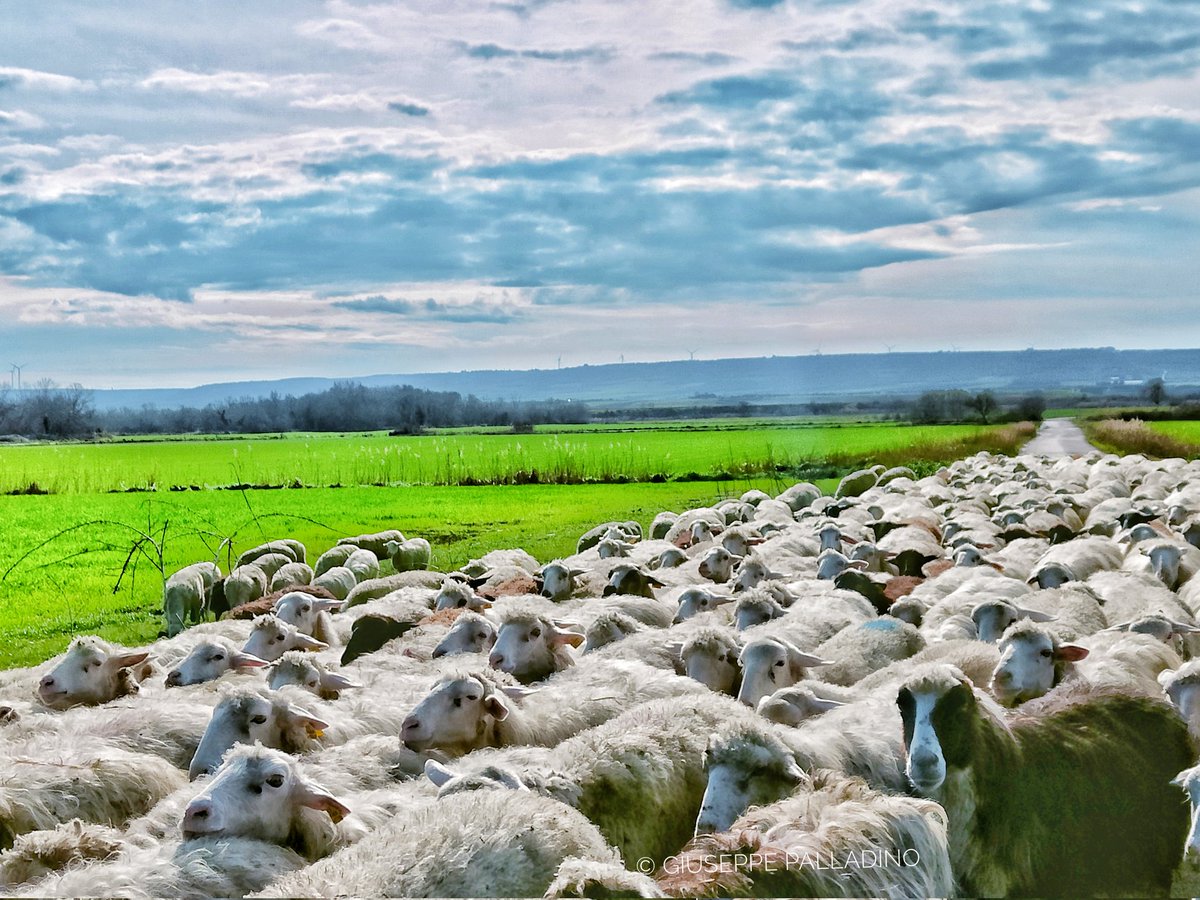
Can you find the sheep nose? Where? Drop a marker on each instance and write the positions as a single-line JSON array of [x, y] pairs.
[[704, 826], [1002, 676], [174, 678], [495, 660], [410, 723], [546, 592], [199, 817], [47, 682], [438, 652]]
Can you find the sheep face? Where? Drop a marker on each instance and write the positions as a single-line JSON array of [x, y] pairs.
[[530, 649], [756, 777], [295, 668], [558, 581], [751, 573], [610, 548], [1052, 575], [301, 610], [469, 634], [1182, 687], [1031, 663], [738, 542], [1164, 563], [208, 661], [794, 706], [454, 716], [248, 718], [717, 565], [713, 665], [694, 601], [258, 794], [832, 563], [936, 715], [749, 613], [90, 673], [631, 580], [670, 558], [272, 637], [831, 538], [459, 595], [608, 629], [769, 664]]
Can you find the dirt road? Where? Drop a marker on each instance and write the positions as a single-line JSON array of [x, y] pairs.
[[1059, 437]]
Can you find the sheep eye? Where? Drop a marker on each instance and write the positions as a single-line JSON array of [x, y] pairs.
[[312, 683], [305, 609], [1047, 653], [461, 603], [537, 632], [275, 780], [779, 662], [218, 657], [258, 720], [704, 603]]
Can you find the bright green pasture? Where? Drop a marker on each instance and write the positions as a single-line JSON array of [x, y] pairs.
[[65, 588], [1186, 431], [377, 459]]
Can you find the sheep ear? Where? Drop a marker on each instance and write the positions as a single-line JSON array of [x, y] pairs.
[[821, 704], [310, 643], [577, 573], [517, 692], [315, 797], [314, 726], [125, 660], [800, 658], [859, 564], [1182, 627], [1124, 627], [675, 648], [574, 638], [1070, 653], [794, 773], [1181, 779], [437, 773], [718, 599], [1034, 615], [654, 582], [240, 660], [323, 604], [335, 681], [496, 707]]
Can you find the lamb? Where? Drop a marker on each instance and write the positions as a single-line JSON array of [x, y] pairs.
[[309, 614], [294, 550], [92, 671], [290, 575], [184, 597], [209, 660], [300, 668], [376, 542], [510, 843], [244, 584], [239, 834], [488, 709], [410, 555], [271, 637], [839, 838], [1107, 757], [638, 777], [338, 580], [470, 633]]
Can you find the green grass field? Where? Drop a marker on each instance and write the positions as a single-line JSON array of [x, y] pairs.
[[377, 459], [1186, 432], [81, 560]]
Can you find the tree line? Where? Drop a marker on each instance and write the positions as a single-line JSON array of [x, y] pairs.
[[56, 412]]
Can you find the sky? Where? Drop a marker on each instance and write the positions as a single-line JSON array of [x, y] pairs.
[[198, 192]]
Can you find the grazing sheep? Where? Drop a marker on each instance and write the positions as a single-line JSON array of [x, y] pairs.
[[376, 542], [92, 671], [339, 581], [363, 564], [500, 843], [269, 564], [300, 668], [1108, 758], [271, 637], [334, 556], [470, 633], [294, 550], [838, 838], [638, 777], [209, 660], [488, 709], [291, 575], [184, 597], [411, 555], [309, 614], [244, 584]]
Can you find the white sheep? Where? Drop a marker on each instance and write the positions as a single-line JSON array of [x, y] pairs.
[[411, 555], [363, 564], [292, 574], [244, 584], [184, 598], [301, 668], [338, 580], [289, 548], [470, 633], [92, 671], [334, 556], [1075, 560], [209, 660], [376, 542], [309, 614], [271, 637]]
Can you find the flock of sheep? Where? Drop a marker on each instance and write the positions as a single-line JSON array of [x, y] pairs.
[[975, 683]]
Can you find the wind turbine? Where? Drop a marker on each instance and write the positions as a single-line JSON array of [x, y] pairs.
[[691, 356], [17, 369], [890, 347]]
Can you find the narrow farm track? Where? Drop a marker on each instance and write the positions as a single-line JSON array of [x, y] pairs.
[[1059, 437]]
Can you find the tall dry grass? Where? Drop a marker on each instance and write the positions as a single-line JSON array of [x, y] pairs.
[[1134, 436]]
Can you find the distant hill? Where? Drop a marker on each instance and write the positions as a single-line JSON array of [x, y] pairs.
[[775, 379]]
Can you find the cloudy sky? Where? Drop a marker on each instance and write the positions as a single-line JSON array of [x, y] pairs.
[[195, 192]]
